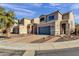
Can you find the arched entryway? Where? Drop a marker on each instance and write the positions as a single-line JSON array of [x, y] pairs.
[[64, 28], [28, 29], [16, 30], [32, 28]]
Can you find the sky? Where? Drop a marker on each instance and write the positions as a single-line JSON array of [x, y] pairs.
[[34, 10]]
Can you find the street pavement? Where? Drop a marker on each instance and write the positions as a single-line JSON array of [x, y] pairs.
[[7, 52], [61, 52]]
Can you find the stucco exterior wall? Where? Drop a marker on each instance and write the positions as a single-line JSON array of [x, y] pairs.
[[36, 20], [23, 30], [15, 24], [65, 16], [72, 22], [57, 24], [26, 22]]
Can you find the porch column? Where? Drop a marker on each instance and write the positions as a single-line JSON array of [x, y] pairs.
[[67, 29], [37, 30]]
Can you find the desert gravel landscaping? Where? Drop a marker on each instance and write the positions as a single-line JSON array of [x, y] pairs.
[[24, 39], [38, 38]]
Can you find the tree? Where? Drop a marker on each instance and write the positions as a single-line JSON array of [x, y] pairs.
[[2, 13], [7, 20]]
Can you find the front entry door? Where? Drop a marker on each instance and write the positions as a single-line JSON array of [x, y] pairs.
[[63, 28]]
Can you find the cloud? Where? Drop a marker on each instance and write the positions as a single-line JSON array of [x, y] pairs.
[[54, 4], [76, 16], [37, 4], [18, 10], [74, 6], [24, 10], [23, 13]]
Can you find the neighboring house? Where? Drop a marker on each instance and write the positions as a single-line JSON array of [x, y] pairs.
[[51, 24], [21, 28], [14, 26]]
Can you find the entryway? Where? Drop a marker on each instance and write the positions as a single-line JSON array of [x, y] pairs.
[[63, 28]]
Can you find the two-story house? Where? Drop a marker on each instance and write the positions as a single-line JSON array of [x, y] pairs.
[[54, 23]]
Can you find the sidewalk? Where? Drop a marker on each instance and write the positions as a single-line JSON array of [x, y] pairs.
[[39, 46]]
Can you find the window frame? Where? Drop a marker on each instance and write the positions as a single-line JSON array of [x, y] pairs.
[[52, 17], [42, 20]]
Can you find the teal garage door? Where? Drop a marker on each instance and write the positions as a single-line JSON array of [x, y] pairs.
[[44, 30]]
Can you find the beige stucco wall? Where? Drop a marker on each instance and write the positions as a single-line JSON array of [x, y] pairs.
[[15, 24], [70, 18], [57, 24], [65, 16], [26, 22], [36, 20], [22, 29], [72, 22]]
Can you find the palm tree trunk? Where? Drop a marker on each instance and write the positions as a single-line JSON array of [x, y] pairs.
[[8, 32]]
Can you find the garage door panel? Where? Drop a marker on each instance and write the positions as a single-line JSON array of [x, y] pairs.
[[44, 30]]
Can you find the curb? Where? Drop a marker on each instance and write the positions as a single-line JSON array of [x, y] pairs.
[[40, 46]]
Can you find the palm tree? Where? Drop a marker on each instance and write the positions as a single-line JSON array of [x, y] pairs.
[[2, 13], [9, 22], [6, 21]]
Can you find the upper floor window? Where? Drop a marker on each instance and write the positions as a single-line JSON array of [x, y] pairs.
[[51, 17], [42, 19]]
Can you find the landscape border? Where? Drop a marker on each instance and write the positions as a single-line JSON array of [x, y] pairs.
[[41, 46]]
